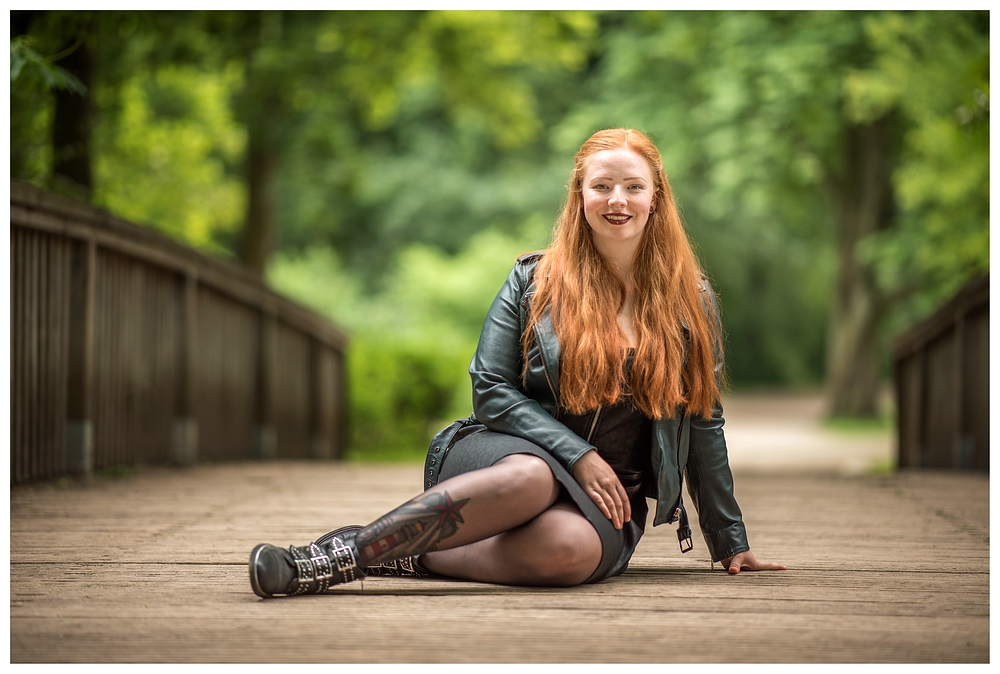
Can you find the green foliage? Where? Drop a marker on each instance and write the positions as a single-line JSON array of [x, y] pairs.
[[721, 94], [431, 141], [167, 156], [751, 111], [401, 391], [411, 343], [428, 149], [856, 425], [33, 78], [28, 64], [939, 66]]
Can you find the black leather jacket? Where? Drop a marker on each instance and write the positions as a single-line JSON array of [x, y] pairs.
[[504, 405]]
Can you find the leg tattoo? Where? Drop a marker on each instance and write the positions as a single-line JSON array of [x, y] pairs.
[[414, 527]]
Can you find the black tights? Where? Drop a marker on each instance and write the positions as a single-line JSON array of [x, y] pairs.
[[502, 524]]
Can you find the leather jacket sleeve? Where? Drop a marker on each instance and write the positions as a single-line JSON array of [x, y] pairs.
[[710, 480], [498, 398]]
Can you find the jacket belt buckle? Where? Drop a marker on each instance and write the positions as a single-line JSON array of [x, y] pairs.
[[684, 538]]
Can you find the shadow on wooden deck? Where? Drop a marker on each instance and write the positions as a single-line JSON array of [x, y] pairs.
[[152, 568]]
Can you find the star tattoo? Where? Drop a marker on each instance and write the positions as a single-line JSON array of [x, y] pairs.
[[449, 510]]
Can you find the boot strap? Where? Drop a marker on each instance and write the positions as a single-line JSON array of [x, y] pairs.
[[303, 567], [317, 567], [405, 566], [343, 557]]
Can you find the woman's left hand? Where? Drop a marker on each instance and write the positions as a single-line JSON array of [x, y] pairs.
[[746, 561]]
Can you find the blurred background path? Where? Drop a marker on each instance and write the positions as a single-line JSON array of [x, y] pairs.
[[786, 432]]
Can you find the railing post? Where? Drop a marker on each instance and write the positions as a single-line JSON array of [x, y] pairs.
[[962, 449], [185, 427], [922, 450], [339, 403], [265, 433], [80, 380], [323, 399], [319, 401]]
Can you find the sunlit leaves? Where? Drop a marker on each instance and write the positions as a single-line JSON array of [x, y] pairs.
[[403, 134], [167, 160], [27, 63], [938, 66]]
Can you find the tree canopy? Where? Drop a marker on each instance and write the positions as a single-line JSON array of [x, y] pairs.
[[386, 167]]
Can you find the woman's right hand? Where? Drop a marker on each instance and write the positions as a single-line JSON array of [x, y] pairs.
[[604, 488]]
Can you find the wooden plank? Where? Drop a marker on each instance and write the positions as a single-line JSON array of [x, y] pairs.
[[339, 405], [101, 372], [185, 431], [976, 422], [53, 439], [33, 274], [126, 379], [958, 456], [154, 570], [290, 392], [56, 215], [940, 413], [44, 336], [108, 365], [265, 432], [319, 401], [17, 290], [974, 294]]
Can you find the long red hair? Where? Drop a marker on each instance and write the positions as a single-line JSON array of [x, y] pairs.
[[584, 294]]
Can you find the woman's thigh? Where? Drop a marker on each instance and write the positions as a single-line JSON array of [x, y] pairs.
[[559, 547]]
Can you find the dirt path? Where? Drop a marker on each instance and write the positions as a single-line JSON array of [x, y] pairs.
[[778, 433]]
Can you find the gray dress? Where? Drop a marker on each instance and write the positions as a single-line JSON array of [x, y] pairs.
[[621, 435]]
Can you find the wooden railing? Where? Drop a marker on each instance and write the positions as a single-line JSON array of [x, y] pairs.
[[942, 378], [128, 348]]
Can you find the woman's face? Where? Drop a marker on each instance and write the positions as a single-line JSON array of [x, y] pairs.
[[617, 192]]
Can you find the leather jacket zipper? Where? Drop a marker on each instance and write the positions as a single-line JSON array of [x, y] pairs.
[[593, 424], [683, 527], [545, 369], [680, 434]]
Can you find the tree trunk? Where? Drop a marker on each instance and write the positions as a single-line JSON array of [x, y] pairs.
[[863, 203], [71, 125], [258, 233], [262, 115]]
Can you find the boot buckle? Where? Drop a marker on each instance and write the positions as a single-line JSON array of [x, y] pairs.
[[304, 568], [343, 557], [321, 563]]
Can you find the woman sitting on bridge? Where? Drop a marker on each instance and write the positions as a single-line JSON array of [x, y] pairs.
[[595, 385]]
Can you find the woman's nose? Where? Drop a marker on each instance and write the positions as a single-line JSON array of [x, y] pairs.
[[617, 198]]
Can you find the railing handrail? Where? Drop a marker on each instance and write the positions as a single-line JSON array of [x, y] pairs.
[[974, 294], [39, 209]]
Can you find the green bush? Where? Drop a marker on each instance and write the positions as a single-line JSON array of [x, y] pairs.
[[401, 394], [411, 343]]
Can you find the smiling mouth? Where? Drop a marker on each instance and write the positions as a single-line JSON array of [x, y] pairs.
[[617, 218]]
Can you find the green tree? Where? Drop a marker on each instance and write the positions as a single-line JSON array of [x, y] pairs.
[[815, 128], [424, 141], [66, 39], [33, 77]]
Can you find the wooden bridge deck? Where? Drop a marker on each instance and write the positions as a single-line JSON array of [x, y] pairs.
[[152, 568]]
